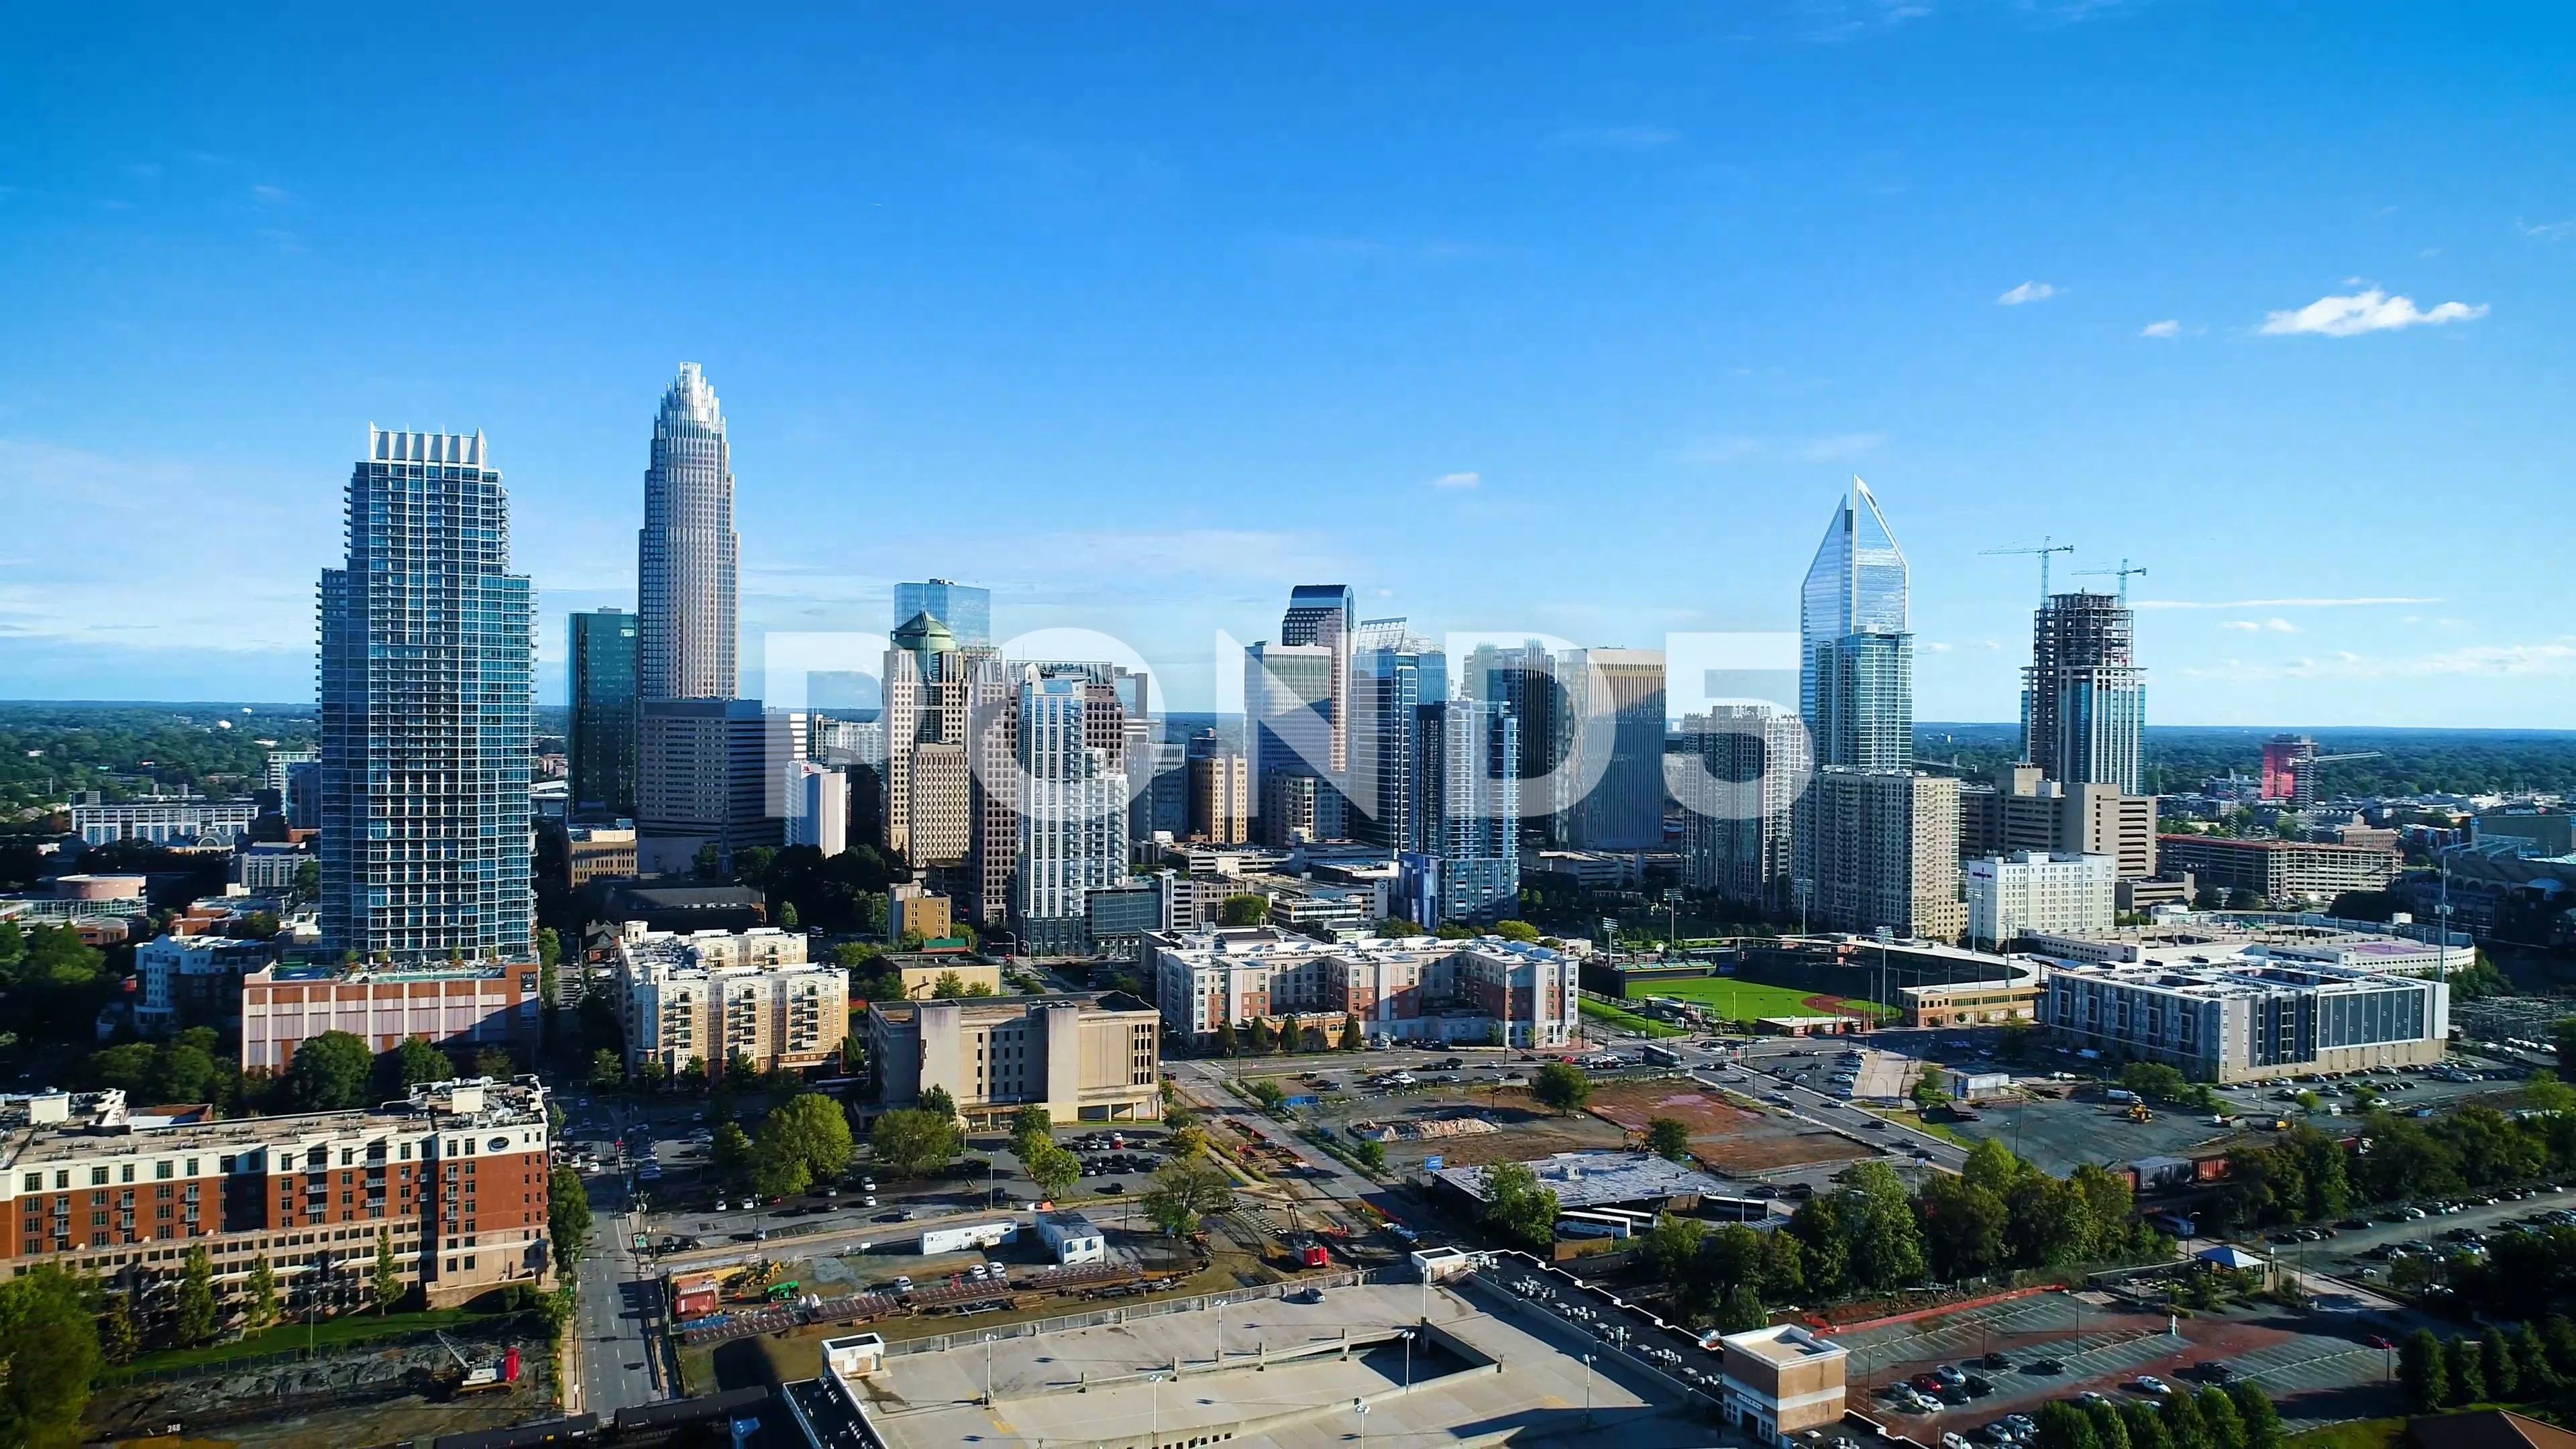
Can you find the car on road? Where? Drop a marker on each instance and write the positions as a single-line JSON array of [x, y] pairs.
[[892, 1217]]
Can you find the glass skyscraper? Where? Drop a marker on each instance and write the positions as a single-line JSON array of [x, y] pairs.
[[688, 558], [605, 707], [427, 696], [964, 608], [2084, 700], [1856, 658], [1398, 681]]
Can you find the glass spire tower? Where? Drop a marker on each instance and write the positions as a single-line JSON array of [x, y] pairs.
[[688, 559], [427, 698], [1856, 657]]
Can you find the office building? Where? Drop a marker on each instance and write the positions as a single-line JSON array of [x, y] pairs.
[[2013, 896], [912, 909], [452, 1004], [1161, 804], [711, 778], [1420, 988], [280, 766], [1399, 681], [1616, 700], [165, 820], [1084, 1056], [2015, 809], [1467, 866], [1856, 653], [2233, 938], [1220, 799], [1325, 616], [2248, 1022], [1523, 680], [2280, 872], [606, 711], [1748, 766], [1880, 852], [1072, 809], [688, 559], [818, 807], [270, 867], [427, 695], [1296, 747], [189, 980], [454, 1176], [964, 610], [926, 720], [1778, 1385], [713, 998], [2084, 700]]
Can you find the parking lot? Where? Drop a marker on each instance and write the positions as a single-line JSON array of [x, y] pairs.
[[2319, 1368]]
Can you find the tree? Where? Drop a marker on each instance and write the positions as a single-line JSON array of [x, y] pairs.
[[1053, 1169], [1031, 1126], [262, 1292], [1310, 1038], [1243, 910], [1184, 1192], [2497, 1357], [1225, 1041], [2256, 1411], [1562, 1086], [2154, 1081], [120, 1338], [1963, 1227], [1741, 1311], [1928, 1094], [1673, 1247], [567, 1215], [329, 1073], [196, 1319], [1371, 1153], [607, 1070], [2563, 1035], [1517, 1207], [2421, 1369], [49, 1341], [414, 1063], [2064, 1426], [2466, 1361], [389, 1284], [2218, 1419], [1266, 1092], [1262, 1038], [2183, 1424], [914, 1142], [1521, 931], [1668, 1138], [1354, 1037], [806, 1140], [2146, 1427], [2531, 1366], [2109, 1429], [947, 986], [729, 1155], [935, 1098]]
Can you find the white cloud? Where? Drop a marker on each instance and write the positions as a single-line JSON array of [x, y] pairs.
[[2548, 230], [1457, 480], [2273, 603], [2170, 327], [2247, 625], [2026, 292], [2555, 658], [2367, 311], [1938, 648]]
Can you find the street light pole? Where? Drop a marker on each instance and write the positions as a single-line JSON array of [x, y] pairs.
[[1408, 1360], [1156, 1435], [988, 1370], [1587, 1389]]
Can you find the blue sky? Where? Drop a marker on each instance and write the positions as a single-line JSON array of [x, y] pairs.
[[1569, 319]]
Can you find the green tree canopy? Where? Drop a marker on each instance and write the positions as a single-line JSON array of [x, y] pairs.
[[567, 1215], [409, 1065], [330, 1073], [1518, 1208], [1053, 1169], [1561, 1085], [729, 1155], [1668, 1138], [49, 1340], [914, 1142], [1185, 1191], [1243, 910], [803, 1141], [197, 1320]]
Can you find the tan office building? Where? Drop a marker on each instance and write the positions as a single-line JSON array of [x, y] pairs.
[[1779, 1382], [1084, 1056]]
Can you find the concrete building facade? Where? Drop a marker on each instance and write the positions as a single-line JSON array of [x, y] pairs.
[[1416, 988], [2016, 895], [468, 1003], [1084, 1056], [710, 997]]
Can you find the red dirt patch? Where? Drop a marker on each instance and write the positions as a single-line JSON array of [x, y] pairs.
[[1723, 1135], [1831, 1006]]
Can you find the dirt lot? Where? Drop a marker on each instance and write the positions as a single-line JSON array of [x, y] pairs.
[[1727, 1137], [366, 1395]]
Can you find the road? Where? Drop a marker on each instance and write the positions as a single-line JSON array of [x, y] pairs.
[[617, 1361], [1826, 1110]]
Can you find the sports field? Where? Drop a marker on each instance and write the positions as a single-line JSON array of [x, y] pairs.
[[1751, 1000]]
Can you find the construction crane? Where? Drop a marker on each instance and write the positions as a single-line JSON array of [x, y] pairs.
[[2123, 571], [2043, 548], [499, 1373], [2290, 767]]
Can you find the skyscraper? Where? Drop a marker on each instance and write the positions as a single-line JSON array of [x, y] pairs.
[[1468, 865], [688, 559], [605, 708], [1624, 808], [1072, 808], [1736, 840], [2084, 700], [427, 702], [1288, 727], [1326, 616], [1398, 680], [1856, 658], [967, 611]]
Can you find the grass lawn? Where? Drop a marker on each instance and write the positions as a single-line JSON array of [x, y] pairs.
[[1749, 1000], [1598, 1011], [2359, 1434], [287, 1337]]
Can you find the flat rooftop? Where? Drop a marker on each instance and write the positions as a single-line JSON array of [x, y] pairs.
[[1592, 1179], [924, 1399]]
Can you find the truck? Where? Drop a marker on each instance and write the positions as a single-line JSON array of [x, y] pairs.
[[2116, 1094], [967, 1235]]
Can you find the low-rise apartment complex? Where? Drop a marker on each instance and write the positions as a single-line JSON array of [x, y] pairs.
[[1084, 1056], [710, 997], [1416, 988], [2280, 871], [454, 1178]]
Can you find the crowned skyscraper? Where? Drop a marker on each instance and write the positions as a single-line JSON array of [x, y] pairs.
[[2084, 699], [688, 559], [427, 711]]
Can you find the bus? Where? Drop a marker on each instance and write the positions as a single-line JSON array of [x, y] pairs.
[[1661, 1056]]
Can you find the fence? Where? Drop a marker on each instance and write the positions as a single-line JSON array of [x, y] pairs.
[[1105, 1316]]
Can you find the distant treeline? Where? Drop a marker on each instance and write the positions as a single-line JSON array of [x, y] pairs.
[[2180, 757], [48, 750]]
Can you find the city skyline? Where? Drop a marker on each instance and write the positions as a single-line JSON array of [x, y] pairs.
[[1601, 309]]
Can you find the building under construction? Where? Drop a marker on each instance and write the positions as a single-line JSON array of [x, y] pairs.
[[2084, 700]]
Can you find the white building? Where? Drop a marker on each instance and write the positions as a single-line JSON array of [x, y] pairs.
[[1072, 1238], [818, 807], [1417, 988], [173, 820], [199, 976], [710, 996], [2012, 896], [1072, 815]]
